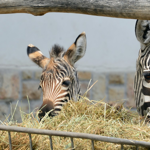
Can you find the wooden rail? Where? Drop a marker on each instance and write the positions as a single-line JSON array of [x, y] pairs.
[[133, 9]]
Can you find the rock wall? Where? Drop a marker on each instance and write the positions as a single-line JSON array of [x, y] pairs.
[[16, 85]]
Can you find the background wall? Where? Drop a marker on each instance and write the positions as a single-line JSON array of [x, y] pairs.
[[111, 42], [112, 50]]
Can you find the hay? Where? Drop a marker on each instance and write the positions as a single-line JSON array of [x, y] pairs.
[[83, 116]]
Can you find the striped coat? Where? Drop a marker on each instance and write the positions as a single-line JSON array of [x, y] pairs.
[[59, 80], [142, 77]]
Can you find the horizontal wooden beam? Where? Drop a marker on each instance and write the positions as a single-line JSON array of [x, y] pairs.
[[133, 9]]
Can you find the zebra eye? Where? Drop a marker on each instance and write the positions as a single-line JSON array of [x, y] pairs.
[[66, 83], [147, 77]]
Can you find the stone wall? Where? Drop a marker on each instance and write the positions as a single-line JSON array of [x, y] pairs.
[[17, 86]]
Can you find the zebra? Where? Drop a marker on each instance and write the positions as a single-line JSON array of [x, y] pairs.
[[142, 76], [59, 81]]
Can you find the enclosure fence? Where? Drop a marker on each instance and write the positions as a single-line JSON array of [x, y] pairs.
[[71, 135]]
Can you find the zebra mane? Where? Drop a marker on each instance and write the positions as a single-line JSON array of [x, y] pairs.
[[56, 51]]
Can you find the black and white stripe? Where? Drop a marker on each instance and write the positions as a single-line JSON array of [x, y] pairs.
[[59, 80], [142, 77], [60, 84]]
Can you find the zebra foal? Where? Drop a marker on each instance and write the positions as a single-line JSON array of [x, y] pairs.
[[142, 77], [59, 80]]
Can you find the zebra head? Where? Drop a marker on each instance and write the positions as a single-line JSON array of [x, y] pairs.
[[142, 78], [59, 81]]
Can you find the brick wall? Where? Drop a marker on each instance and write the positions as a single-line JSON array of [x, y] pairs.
[[16, 85]]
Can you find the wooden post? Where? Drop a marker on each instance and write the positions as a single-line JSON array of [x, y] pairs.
[[133, 9]]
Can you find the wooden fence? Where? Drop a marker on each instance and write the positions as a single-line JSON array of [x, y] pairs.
[[133, 9]]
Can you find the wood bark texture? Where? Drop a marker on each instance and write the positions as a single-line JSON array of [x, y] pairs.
[[133, 9]]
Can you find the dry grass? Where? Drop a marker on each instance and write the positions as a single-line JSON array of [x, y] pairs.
[[83, 116]]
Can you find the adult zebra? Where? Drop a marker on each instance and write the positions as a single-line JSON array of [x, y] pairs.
[[142, 77], [59, 81]]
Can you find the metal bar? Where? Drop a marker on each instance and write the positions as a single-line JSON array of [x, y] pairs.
[[72, 144], [30, 141], [9, 136], [51, 144], [122, 147], [74, 135], [92, 143]]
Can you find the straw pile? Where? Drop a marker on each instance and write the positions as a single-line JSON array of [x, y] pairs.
[[83, 116]]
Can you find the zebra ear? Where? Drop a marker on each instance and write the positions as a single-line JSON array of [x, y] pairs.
[[142, 31], [36, 56], [76, 50]]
